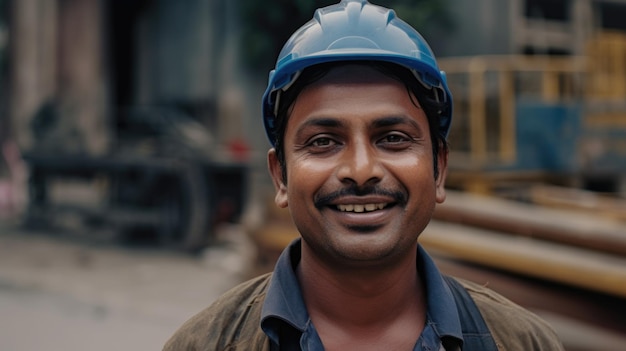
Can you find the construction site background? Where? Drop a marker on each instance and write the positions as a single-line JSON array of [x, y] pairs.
[[129, 140]]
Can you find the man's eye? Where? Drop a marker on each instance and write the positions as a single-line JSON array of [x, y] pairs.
[[320, 142], [393, 138]]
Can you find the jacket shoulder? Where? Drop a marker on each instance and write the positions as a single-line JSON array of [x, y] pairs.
[[512, 326], [232, 322]]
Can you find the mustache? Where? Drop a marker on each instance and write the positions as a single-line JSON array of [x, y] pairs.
[[323, 200]]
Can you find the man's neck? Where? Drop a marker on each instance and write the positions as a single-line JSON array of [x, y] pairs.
[[363, 305]]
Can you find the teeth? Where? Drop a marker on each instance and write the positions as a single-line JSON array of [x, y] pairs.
[[361, 208]]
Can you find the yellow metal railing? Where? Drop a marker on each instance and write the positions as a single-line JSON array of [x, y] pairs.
[[480, 82], [486, 90], [607, 66]]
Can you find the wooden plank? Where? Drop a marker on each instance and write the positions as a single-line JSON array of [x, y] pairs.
[[578, 200], [536, 258], [576, 229]]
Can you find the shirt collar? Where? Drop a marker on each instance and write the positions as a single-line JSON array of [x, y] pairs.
[[442, 311], [284, 300]]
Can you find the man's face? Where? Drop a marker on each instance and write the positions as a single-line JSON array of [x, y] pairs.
[[360, 176]]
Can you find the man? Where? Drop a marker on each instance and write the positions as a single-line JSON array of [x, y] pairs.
[[358, 114]]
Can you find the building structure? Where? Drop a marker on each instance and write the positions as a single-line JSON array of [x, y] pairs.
[[539, 90], [92, 59], [555, 27]]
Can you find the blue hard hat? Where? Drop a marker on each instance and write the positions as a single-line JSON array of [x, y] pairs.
[[355, 30]]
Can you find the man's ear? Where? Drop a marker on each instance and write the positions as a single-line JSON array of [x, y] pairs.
[[277, 178], [440, 181]]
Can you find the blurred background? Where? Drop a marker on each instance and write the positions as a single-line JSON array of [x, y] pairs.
[[133, 185]]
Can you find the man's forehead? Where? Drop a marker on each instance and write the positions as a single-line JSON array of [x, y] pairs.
[[355, 92]]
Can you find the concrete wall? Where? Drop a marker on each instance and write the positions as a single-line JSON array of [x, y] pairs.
[[496, 27], [32, 62], [182, 52], [480, 27], [177, 51]]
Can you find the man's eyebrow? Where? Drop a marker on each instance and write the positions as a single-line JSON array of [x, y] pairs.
[[394, 120], [322, 122], [382, 122]]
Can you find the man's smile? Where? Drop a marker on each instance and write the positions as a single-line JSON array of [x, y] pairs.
[[359, 200], [361, 207]]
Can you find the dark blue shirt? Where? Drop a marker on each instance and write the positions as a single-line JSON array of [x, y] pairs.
[[286, 322]]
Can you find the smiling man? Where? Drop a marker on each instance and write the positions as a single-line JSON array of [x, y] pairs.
[[358, 113]]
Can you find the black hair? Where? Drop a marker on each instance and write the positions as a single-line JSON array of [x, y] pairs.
[[427, 99]]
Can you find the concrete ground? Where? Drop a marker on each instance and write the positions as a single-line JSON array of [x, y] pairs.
[[61, 293]]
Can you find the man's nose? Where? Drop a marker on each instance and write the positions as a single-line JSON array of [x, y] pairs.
[[360, 164]]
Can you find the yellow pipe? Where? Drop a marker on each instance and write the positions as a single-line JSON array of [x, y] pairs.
[[477, 111], [550, 86], [507, 117]]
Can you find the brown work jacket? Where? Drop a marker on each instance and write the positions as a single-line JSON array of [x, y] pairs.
[[232, 322]]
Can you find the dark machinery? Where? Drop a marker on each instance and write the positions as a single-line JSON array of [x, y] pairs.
[[162, 179]]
